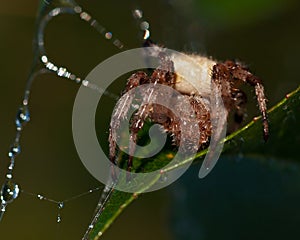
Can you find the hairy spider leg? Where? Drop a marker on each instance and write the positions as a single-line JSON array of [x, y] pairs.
[[164, 74], [236, 72], [119, 114]]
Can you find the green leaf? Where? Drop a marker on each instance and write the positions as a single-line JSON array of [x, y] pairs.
[[283, 138]]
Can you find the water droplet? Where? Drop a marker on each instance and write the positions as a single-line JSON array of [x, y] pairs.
[[106, 189], [14, 150], [61, 71], [108, 35], [11, 165], [44, 59], [2, 210], [144, 25], [9, 176], [91, 226], [137, 13], [78, 80], [85, 16], [23, 117], [55, 12], [60, 205], [58, 220], [85, 83], [40, 197], [78, 9], [72, 77], [147, 34], [9, 192], [118, 44]]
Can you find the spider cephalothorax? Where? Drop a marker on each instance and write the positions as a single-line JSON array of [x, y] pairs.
[[177, 73]]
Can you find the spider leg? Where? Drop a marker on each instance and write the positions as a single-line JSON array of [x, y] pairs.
[[165, 75], [203, 118], [119, 114], [136, 125], [220, 104], [236, 72], [240, 99]]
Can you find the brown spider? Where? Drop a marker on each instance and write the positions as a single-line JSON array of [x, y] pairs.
[[226, 76]]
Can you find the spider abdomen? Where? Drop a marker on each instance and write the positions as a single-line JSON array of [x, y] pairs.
[[193, 74]]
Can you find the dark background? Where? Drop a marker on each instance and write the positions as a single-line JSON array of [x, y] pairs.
[[244, 197]]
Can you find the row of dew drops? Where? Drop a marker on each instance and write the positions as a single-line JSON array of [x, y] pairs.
[[41, 64]]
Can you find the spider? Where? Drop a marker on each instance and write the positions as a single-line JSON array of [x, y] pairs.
[[226, 76]]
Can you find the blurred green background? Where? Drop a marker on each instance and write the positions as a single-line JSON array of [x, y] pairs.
[[241, 199]]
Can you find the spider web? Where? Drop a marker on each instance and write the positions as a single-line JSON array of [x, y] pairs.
[[42, 65]]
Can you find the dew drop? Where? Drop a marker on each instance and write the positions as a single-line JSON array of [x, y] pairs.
[[60, 205], [9, 192], [61, 71], [85, 83], [11, 165], [78, 9], [144, 25], [25, 101], [14, 150], [23, 117], [55, 12], [147, 34], [72, 77], [78, 80], [2, 210], [9, 176], [106, 189], [40, 197], [85, 16], [137, 13], [118, 44], [58, 220], [108, 35], [44, 59]]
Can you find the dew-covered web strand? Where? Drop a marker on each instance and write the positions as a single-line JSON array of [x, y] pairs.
[[144, 27], [60, 203], [10, 190], [40, 65], [63, 71], [105, 196]]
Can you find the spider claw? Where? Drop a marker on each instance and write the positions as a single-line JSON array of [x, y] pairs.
[[266, 130]]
